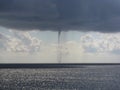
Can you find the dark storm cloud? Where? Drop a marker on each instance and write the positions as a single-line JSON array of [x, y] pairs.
[[86, 15]]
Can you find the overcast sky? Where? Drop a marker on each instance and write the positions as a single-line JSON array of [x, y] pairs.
[[90, 31]]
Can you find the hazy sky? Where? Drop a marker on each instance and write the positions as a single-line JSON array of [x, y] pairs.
[[42, 47], [89, 31]]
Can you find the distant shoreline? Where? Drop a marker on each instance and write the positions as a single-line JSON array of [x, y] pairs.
[[53, 65]]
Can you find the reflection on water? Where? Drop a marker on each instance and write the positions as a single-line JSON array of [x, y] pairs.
[[85, 78]]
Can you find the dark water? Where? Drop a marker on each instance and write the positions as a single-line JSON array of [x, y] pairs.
[[102, 77]]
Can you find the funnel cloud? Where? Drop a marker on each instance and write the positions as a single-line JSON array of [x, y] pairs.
[[65, 15]]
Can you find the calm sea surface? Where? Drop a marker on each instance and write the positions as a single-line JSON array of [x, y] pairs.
[[87, 77]]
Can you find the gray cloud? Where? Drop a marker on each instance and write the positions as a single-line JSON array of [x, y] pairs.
[[86, 15]]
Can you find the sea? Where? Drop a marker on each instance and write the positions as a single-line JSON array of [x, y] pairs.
[[80, 77]]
